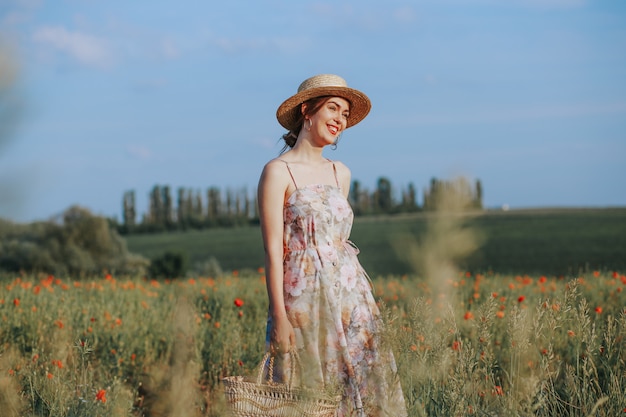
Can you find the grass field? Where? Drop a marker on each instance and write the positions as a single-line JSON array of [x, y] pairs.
[[543, 241], [469, 340], [470, 345]]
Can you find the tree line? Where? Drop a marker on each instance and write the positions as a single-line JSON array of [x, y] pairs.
[[213, 207]]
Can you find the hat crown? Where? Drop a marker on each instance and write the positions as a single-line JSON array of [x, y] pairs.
[[322, 80]]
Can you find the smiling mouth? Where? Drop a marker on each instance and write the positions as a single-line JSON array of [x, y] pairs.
[[333, 129]]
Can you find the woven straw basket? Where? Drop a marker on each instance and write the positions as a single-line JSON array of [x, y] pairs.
[[270, 399]]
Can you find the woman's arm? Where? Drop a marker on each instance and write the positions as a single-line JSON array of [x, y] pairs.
[[271, 196]]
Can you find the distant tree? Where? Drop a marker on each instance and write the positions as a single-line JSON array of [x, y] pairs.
[[255, 206], [168, 209], [383, 200], [247, 208], [198, 209], [430, 194], [365, 203], [354, 197], [214, 205], [129, 211], [182, 214], [238, 204], [409, 199], [478, 201], [229, 203], [156, 213], [459, 188]]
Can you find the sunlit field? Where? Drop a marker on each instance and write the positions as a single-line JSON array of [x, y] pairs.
[[484, 345]]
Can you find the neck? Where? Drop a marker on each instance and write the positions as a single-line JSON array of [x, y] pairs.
[[306, 150]]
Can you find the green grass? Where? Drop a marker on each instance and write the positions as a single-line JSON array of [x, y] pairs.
[[547, 241], [472, 345]]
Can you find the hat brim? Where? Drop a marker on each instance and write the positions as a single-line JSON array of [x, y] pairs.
[[289, 111]]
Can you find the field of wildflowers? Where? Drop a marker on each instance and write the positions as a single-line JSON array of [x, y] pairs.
[[474, 345]]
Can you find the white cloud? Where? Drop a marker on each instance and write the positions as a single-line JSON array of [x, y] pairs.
[[149, 84], [87, 49], [169, 49], [139, 152], [266, 143], [234, 45], [405, 15]]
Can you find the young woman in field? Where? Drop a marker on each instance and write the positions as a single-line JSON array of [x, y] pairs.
[[320, 297]]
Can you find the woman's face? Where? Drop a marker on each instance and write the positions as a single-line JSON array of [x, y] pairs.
[[330, 120]]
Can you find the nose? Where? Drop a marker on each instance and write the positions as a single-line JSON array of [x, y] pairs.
[[338, 118]]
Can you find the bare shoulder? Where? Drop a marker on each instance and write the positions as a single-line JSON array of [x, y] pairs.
[[343, 176], [273, 168], [342, 170], [274, 175]]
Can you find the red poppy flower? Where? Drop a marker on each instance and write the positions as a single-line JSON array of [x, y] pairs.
[[521, 298], [238, 302], [598, 310], [101, 396]]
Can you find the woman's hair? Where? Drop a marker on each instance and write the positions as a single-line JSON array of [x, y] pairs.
[[312, 106]]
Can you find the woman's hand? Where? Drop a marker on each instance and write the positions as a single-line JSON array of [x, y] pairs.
[[282, 336]]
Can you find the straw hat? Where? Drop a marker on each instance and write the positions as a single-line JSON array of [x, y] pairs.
[[323, 85]]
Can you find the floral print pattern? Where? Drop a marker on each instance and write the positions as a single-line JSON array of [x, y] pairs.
[[329, 302]]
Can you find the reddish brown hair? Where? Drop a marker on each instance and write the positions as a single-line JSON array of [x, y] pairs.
[[312, 107]]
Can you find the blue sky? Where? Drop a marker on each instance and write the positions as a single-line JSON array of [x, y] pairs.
[[527, 95]]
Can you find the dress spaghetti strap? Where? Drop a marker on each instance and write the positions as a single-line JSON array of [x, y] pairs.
[[290, 173], [335, 172]]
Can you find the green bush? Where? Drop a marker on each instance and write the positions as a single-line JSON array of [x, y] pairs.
[[78, 244], [170, 264]]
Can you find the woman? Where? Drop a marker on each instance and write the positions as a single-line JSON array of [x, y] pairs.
[[319, 295]]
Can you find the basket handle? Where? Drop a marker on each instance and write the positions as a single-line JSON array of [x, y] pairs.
[[268, 359]]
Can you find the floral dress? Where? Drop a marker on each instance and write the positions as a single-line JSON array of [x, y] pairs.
[[330, 305]]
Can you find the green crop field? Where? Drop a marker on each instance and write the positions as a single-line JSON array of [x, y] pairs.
[[547, 241]]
